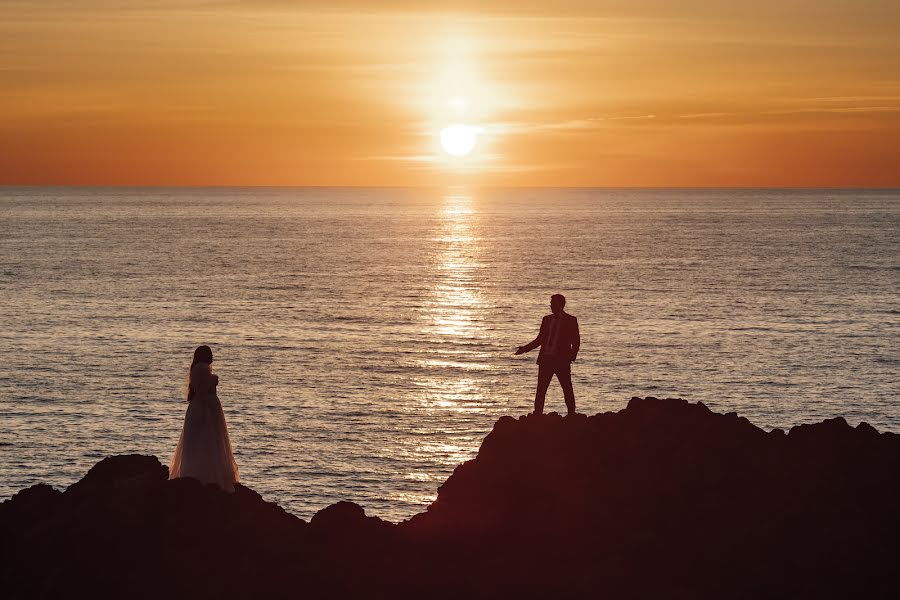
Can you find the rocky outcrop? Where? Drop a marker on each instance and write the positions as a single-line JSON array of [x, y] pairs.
[[667, 498], [661, 499]]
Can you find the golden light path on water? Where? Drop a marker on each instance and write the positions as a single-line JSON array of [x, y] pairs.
[[451, 314], [456, 298]]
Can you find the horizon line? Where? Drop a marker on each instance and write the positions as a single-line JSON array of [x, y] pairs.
[[451, 186]]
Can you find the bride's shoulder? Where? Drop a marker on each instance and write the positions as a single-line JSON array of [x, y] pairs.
[[202, 378], [201, 366], [201, 370]]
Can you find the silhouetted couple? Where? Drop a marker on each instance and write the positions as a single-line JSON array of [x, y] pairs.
[[559, 341], [204, 448]]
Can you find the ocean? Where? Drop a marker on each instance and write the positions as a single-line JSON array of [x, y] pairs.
[[364, 338]]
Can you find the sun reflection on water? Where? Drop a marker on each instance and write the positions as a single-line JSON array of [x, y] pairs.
[[453, 313], [458, 395], [455, 299], [450, 374]]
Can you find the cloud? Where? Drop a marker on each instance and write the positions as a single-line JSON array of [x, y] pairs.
[[587, 123], [416, 158], [835, 109], [707, 115]]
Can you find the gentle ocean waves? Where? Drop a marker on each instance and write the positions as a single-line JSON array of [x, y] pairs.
[[364, 338]]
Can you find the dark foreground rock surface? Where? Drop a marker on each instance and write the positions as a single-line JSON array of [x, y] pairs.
[[663, 499]]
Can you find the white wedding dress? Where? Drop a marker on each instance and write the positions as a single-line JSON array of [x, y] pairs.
[[204, 449]]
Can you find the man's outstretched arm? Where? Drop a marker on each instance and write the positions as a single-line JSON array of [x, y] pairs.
[[533, 343]]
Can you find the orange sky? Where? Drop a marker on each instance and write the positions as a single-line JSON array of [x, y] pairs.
[[598, 93]]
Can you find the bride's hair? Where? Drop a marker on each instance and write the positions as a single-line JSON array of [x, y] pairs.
[[203, 354]]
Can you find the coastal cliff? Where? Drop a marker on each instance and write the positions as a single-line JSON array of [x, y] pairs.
[[661, 499]]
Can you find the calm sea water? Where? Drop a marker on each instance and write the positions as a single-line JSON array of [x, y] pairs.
[[364, 337]]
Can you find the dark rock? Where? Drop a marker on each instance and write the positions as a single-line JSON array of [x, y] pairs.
[[866, 430], [346, 530], [115, 469], [26, 507], [35, 499], [661, 499], [339, 516], [133, 470]]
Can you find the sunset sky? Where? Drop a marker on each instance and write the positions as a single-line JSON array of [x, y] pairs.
[[563, 93]]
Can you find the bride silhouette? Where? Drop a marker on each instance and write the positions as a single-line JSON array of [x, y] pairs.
[[204, 449]]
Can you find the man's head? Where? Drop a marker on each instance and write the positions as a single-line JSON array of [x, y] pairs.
[[557, 303]]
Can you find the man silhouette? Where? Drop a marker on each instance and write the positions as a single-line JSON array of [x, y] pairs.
[[559, 341]]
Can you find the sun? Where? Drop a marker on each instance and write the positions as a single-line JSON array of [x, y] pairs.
[[458, 139]]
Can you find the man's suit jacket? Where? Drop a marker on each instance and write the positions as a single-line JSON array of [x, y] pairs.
[[569, 340]]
